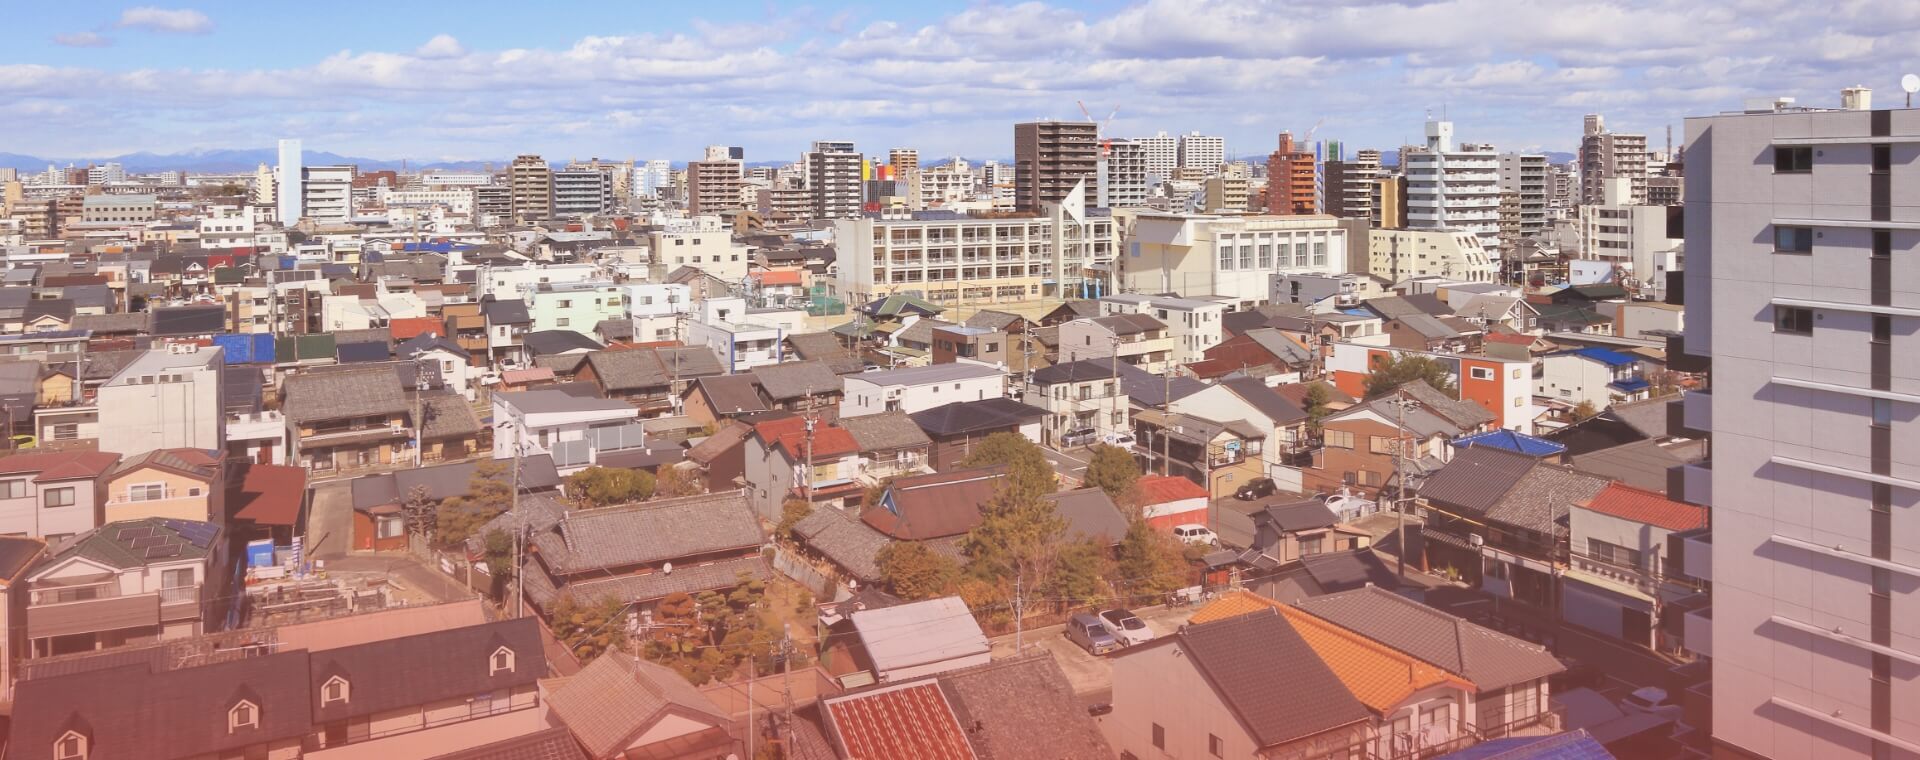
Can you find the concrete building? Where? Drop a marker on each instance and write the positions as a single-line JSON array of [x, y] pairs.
[[713, 184], [1644, 239], [118, 209], [1221, 193], [493, 202], [1123, 174], [1050, 158], [833, 179], [327, 194], [1606, 155], [1235, 257], [1453, 187], [1195, 325], [1800, 290], [955, 259], [166, 399], [1202, 153], [917, 389], [1163, 156], [1349, 185], [1293, 179], [1525, 176], [582, 192], [1397, 255], [532, 182], [289, 179]]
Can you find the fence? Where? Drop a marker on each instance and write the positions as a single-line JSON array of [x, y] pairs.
[[769, 691], [795, 567]]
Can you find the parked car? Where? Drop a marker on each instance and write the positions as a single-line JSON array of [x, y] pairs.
[[1195, 533], [1087, 631], [1098, 709], [1126, 626], [1123, 440], [1651, 700], [1257, 488], [1078, 437]]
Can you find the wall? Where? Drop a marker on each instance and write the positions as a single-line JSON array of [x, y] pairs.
[[141, 418], [178, 504], [26, 515]]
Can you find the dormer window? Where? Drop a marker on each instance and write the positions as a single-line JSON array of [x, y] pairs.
[[245, 714], [501, 661], [334, 690], [70, 746]]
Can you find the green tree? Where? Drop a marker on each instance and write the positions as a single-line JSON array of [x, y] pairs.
[[1027, 468], [792, 511], [1079, 576], [1112, 469], [605, 486], [1149, 561], [1584, 410], [914, 572], [499, 559], [1317, 398], [673, 481], [419, 511], [590, 629], [488, 494], [1395, 372]]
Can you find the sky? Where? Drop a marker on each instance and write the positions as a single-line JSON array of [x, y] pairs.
[[487, 80]]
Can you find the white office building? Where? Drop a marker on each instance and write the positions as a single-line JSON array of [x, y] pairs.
[[1453, 186], [1122, 174], [1163, 156], [954, 259], [327, 194], [291, 179], [1235, 257]]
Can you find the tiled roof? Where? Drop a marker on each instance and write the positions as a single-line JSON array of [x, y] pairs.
[[267, 494], [1016, 705], [1488, 658], [1260, 666], [1641, 464], [790, 434], [1090, 514], [1307, 514], [649, 533], [849, 543], [430, 667], [137, 543], [1476, 478], [1541, 499], [133, 710], [934, 506], [1466, 414], [1264, 400], [731, 394], [885, 431], [59, 465], [610, 702], [989, 414], [1161, 489], [1377, 675], [1629, 503], [447, 415], [687, 579], [909, 720], [405, 328], [792, 380], [314, 396], [551, 744]]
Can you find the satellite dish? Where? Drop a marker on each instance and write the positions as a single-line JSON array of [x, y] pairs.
[[1910, 83]]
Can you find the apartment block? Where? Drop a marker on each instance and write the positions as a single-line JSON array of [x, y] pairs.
[[1525, 175], [1606, 155], [713, 185], [955, 259], [582, 192], [1123, 174], [327, 194], [1398, 255], [833, 179], [1050, 158], [1453, 187], [1293, 181], [532, 183], [1202, 153], [1349, 185]]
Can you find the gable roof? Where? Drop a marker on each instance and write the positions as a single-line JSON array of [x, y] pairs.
[[192, 463], [994, 320], [131, 710], [551, 744], [551, 342], [1608, 357], [1090, 514], [639, 368], [885, 431], [790, 380], [1017, 704], [1488, 658], [1162, 489], [509, 312], [313, 396], [1541, 499], [1641, 464], [428, 667], [1464, 414], [936, 505], [1513, 441], [1476, 478], [1379, 676], [912, 719], [988, 414], [59, 465], [649, 533], [137, 543], [1643, 506], [1258, 665], [616, 698], [407, 328], [446, 414], [731, 394], [847, 542], [1262, 398], [1306, 514], [919, 633]]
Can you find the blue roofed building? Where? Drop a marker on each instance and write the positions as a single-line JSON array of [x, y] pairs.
[[1519, 443], [1592, 375], [1572, 745]]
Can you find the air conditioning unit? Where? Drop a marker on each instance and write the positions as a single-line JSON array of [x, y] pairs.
[[1476, 540]]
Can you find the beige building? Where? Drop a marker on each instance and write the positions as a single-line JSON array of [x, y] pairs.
[[179, 484], [714, 185], [1396, 255], [1237, 257], [1050, 157], [955, 259], [532, 183]]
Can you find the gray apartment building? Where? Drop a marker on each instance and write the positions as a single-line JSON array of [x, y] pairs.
[[1803, 287]]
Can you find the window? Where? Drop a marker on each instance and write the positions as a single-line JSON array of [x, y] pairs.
[[1792, 239], [1159, 736], [58, 497], [1481, 373], [1793, 319], [243, 715], [1882, 159], [562, 322], [13, 489], [334, 690], [1618, 555], [146, 492], [1216, 747], [1339, 439], [502, 659], [565, 303], [1882, 413], [1792, 159], [64, 432], [1380, 444], [1310, 546], [70, 746]]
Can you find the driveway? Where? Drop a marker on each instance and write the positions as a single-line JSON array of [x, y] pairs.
[[1091, 677], [330, 523]]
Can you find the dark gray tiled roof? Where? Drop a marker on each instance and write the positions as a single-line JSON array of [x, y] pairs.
[[982, 415], [885, 431], [1019, 705], [843, 540], [731, 394], [1466, 414], [428, 667], [1264, 399], [633, 369], [127, 322], [313, 396], [548, 342], [1541, 499], [796, 379], [1647, 417], [512, 312], [1491, 660], [447, 415], [1297, 516], [1090, 513], [1641, 464], [650, 533], [133, 710], [189, 320], [1260, 666], [691, 579], [1477, 478]]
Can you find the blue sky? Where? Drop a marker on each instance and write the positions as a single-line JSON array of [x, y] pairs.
[[486, 80]]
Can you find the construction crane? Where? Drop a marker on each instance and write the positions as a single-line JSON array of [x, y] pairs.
[[1106, 143], [1307, 139]]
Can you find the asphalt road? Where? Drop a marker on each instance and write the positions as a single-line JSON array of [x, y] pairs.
[[1072, 467]]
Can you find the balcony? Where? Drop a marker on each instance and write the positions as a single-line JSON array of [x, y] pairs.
[[355, 435], [107, 609], [1699, 631]]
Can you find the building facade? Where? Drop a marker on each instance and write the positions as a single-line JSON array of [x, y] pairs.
[[1606, 155], [1453, 187], [1238, 257], [531, 181], [960, 259], [1050, 158]]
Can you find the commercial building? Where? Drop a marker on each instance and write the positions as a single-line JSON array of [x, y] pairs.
[[1293, 183], [1123, 174], [1350, 185], [833, 179], [960, 259], [1050, 158], [327, 194], [1202, 153], [1398, 255], [118, 209], [1799, 291], [532, 183], [1607, 155], [713, 184], [1453, 187], [1236, 257], [582, 192]]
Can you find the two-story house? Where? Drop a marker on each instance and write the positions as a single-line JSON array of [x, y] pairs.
[[1289, 531], [18, 556], [347, 419], [1221, 456], [1282, 423], [507, 326], [799, 386], [1497, 520], [1195, 325], [1594, 376], [1085, 402], [1359, 444], [915, 389], [182, 484], [1261, 352], [794, 457], [956, 428], [1136, 339], [650, 379], [1617, 581], [131, 582], [576, 430], [54, 495], [1503, 387]]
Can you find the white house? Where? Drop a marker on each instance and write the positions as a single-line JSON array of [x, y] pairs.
[[574, 430], [915, 389], [657, 308], [742, 337], [1195, 325], [1591, 375]]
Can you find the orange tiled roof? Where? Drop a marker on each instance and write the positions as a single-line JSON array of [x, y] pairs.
[[1379, 676], [1643, 506], [1169, 488], [778, 277], [406, 328]]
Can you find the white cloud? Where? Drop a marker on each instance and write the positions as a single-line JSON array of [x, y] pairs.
[[82, 40], [170, 20], [441, 46]]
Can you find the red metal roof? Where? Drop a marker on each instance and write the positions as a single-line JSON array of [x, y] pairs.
[[60, 465], [269, 494], [1161, 489], [790, 433], [1511, 338], [778, 277], [1643, 506], [899, 722], [405, 328]]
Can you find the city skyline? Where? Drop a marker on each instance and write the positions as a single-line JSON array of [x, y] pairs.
[[947, 81]]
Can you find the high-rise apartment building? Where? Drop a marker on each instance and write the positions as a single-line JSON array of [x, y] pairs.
[[532, 183], [1800, 290], [1203, 153], [1606, 155], [1389, 196], [833, 179], [1525, 175], [494, 201], [290, 178], [327, 194], [1050, 158], [903, 160], [1454, 187], [1563, 185], [1349, 184], [713, 184], [1163, 156], [1293, 180], [1123, 174], [265, 188], [111, 171], [653, 176], [581, 192]]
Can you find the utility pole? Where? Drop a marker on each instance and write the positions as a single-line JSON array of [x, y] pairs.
[[1019, 611], [519, 564], [1399, 481]]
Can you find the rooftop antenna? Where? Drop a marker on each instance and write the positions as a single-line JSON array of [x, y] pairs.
[[1910, 83]]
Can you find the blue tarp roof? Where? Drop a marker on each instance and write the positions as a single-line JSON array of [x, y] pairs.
[[1629, 386], [1602, 355], [1508, 440], [439, 246], [1573, 745], [246, 348]]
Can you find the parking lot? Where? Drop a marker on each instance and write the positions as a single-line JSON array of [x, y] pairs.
[[1092, 677]]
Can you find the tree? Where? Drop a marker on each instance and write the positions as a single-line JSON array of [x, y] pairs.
[[1079, 575], [1027, 467], [792, 511], [1317, 398], [1113, 470], [1395, 372], [1149, 561], [914, 572], [488, 494], [499, 559], [590, 629], [418, 511], [1584, 410], [295, 237], [673, 481], [604, 486]]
